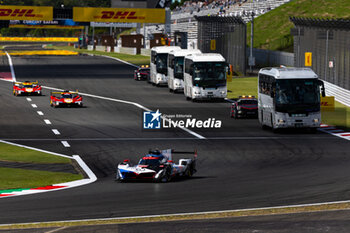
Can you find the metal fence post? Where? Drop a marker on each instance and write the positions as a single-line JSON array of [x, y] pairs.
[[326, 59]]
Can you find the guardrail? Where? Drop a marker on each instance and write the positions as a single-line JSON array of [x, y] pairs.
[[340, 94]]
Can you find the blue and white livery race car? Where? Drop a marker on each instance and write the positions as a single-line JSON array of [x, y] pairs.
[[157, 166]]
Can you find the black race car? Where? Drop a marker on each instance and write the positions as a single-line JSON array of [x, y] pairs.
[[244, 107], [142, 73]]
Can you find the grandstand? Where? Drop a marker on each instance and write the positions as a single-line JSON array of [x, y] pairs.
[[183, 17]]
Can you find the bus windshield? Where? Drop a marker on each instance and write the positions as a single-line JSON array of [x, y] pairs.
[[162, 63], [178, 68], [209, 73], [297, 94]]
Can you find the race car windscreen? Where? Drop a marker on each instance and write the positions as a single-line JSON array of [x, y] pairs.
[[149, 162], [67, 96], [28, 86], [248, 102]]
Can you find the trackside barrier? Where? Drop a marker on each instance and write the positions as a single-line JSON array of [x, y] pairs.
[[126, 50], [100, 48], [145, 52], [341, 95], [39, 39]]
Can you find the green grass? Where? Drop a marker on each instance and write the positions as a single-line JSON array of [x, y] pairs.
[[13, 178], [134, 59], [272, 30], [19, 154], [242, 86]]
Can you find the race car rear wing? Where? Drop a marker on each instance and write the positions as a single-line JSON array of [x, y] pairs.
[[169, 152], [22, 83], [61, 92]]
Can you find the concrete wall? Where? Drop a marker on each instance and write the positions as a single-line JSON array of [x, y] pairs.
[[267, 58], [146, 52], [126, 50]]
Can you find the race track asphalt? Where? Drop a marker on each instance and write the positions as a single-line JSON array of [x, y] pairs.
[[239, 165]]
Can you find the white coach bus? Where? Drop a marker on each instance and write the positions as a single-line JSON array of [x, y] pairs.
[[159, 64], [205, 76], [175, 68], [289, 98]]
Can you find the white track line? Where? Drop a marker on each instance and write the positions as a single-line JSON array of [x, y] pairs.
[[165, 216], [130, 103], [29, 99], [11, 67], [34, 106], [40, 113], [36, 149], [65, 143], [48, 122], [56, 132]]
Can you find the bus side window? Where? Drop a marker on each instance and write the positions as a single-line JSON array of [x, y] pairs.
[[188, 65]]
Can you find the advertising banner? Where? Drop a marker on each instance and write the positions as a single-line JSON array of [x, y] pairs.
[[25, 13], [39, 39], [121, 15], [53, 24], [116, 25], [327, 103]]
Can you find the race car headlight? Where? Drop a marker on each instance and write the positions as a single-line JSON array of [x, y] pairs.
[[315, 120], [138, 75], [57, 102]]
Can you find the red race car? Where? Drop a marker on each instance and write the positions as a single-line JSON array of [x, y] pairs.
[[26, 88], [244, 107], [142, 73], [66, 99]]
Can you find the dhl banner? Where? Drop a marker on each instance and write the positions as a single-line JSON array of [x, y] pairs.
[[121, 15], [327, 103], [25, 13], [41, 52], [39, 39]]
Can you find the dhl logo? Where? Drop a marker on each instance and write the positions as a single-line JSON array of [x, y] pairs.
[[19, 13], [324, 104], [118, 15]]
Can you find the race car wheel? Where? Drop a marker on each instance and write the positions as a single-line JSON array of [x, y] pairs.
[[188, 172], [117, 177]]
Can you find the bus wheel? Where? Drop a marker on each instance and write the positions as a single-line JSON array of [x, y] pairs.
[[170, 90], [264, 127], [313, 130], [188, 98]]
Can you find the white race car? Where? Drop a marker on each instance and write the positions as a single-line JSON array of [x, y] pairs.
[[157, 166]]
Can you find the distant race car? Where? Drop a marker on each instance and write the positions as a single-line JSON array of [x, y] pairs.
[[142, 73], [26, 88], [66, 99], [157, 166], [244, 107]]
